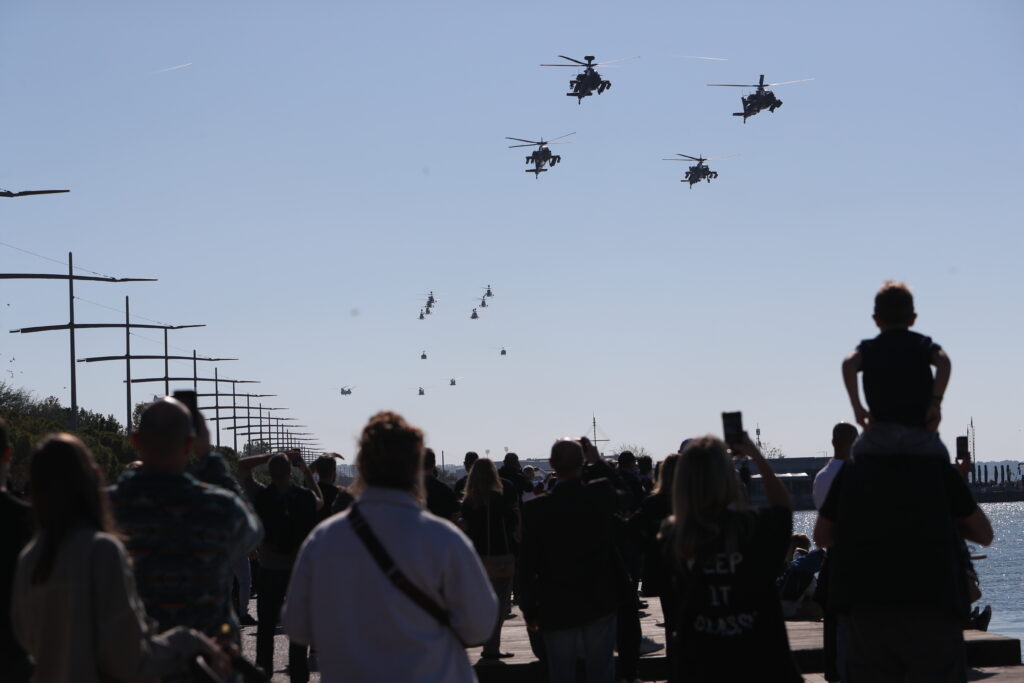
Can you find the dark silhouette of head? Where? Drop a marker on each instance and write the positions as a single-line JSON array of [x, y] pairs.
[[67, 492], [843, 436], [566, 458], [391, 453], [894, 306], [511, 459], [644, 464], [165, 435], [326, 468], [626, 460], [279, 468], [471, 457]]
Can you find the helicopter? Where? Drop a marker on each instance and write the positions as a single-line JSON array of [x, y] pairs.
[[25, 193], [473, 315], [759, 100], [422, 316], [587, 82], [540, 156], [488, 292], [483, 301], [420, 392], [503, 352], [346, 391], [696, 173], [451, 382], [430, 299], [423, 356]]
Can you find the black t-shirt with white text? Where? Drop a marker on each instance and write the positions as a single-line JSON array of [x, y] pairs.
[[898, 378], [730, 625]]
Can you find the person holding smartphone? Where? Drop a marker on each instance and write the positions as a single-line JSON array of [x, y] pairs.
[[724, 559]]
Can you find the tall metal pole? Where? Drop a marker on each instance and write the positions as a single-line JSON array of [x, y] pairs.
[[234, 416], [167, 371], [195, 373], [216, 403], [71, 332], [260, 411], [248, 411], [128, 368]]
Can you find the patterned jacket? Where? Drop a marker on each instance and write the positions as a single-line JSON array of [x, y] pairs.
[[182, 536]]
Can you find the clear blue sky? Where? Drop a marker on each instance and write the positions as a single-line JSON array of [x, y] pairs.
[[321, 158]]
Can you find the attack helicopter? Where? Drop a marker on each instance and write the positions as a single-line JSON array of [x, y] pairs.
[[488, 292], [346, 391], [587, 82], [699, 172], [474, 315], [423, 356], [540, 156], [451, 382], [26, 193], [759, 100]]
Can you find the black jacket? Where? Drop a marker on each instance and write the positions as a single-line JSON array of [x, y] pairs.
[[571, 572]]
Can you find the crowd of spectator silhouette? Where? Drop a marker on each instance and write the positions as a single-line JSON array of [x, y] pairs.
[[394, 577]]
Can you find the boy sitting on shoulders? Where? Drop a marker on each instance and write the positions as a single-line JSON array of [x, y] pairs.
[[903, 397]]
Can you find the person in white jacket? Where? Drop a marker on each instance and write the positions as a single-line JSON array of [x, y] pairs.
[[340, 601]]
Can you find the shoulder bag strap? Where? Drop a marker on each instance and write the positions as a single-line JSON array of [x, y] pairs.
[[398, 579]]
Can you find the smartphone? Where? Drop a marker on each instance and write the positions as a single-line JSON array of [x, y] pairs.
[[963, 449], [732, 427], [188, 397]]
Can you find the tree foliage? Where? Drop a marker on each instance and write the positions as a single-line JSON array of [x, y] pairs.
[[29, 419]]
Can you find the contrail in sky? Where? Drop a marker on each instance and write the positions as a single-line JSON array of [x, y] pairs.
[[174, 68]]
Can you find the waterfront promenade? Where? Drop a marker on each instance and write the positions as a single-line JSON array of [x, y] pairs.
[[995, 658]]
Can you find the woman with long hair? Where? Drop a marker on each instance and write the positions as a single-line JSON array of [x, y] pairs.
[[75, 608], [724, 559], [489, 519]]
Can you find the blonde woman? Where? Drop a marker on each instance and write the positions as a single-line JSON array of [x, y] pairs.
[[725, 559], [489, 519]]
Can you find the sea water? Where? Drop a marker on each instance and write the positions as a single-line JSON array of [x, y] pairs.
[[1001, 573]]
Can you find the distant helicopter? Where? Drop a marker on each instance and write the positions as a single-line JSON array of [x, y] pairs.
[[346, 391], [540, 156], [699, 172], [26, 193], [488, 293], [503, 351], [430, 299], [483, 302], [473, 315], [422, 316], [423, 356], [451, 382], [421, 392], [759, 100], [587, 82]]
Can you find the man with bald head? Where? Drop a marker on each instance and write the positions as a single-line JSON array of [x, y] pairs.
[[182, 534], [569, 578]]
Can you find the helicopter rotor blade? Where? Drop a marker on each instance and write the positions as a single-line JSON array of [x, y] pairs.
[[25, 193], [689, 157], [534, 144], [710, 59], [573, 60], [802, 80], [727, 156], [522, 140], [562, 136], [615, 61], [731, 85]]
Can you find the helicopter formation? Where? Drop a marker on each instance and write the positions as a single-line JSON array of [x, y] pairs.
[[428, 309], [589, 81]]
